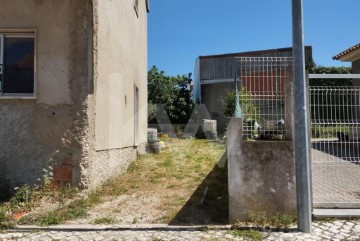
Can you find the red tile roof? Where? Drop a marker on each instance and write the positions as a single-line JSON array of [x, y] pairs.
[[349, 50]]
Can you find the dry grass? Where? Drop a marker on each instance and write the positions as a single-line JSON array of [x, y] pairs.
[[184, 184], [181, 173]]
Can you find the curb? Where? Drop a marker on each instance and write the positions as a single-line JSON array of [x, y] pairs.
[[142, 227]]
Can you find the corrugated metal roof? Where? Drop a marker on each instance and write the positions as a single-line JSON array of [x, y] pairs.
[[346, 52], [250, 53]]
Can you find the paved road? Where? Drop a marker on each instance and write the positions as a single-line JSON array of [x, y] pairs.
[[335, 180], [336, 230]]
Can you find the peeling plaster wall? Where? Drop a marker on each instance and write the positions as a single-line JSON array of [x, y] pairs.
[[47, 131], [120, 64]]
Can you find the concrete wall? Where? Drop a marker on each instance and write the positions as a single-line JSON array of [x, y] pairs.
[[43, 132], [356, 70], [120, 64], [356, 67], [261, 175]]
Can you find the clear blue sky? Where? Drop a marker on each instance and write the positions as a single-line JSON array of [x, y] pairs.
[[181, 30]]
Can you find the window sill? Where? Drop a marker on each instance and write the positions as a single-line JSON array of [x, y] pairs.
[[17, 97]]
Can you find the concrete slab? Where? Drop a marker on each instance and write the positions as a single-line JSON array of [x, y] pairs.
[[336, 213]]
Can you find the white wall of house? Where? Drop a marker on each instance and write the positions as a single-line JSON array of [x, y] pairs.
[[121, 67], [120, 72]]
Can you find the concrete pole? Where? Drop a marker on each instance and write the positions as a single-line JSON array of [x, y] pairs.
[[302, 150]]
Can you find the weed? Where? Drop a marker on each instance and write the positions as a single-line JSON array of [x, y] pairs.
[[259, 218], [104, 221], [134, 166], [326, 220], [5, 220], [251, 235], [22, 199], [52, 218], [279, 220], [262, 218], [3, 215], [167, 163]]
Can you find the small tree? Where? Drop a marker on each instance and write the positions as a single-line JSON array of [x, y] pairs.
[[172, 93], [248, 106]]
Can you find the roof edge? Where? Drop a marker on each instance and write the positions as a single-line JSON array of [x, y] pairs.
[[249, 52], [342, 55]]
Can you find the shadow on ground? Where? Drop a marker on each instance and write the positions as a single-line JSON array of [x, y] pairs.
[[348, 151], [209, 203]]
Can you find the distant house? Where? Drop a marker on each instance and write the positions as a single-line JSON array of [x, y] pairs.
[[214, 77], [73, 97], [352, 55]]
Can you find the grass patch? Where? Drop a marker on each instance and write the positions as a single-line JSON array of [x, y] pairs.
[[250, 235], [75, 209], [179, 174], [52, 218], [104, 221], [23, 199], [328, 131], [186, 166], [262, 219]]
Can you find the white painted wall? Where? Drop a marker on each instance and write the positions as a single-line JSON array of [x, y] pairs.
[[121, 65]]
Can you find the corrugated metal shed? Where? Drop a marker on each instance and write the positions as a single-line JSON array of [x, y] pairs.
[[222, 66]]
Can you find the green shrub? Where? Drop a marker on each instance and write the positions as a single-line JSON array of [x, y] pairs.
[[50, 219]]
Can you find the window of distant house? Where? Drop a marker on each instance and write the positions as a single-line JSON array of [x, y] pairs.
[[17, 60], [136, 7]]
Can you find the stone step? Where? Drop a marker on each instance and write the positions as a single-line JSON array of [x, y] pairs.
[[335, 213]]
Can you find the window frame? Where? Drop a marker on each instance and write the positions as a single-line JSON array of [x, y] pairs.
[[1, 57], [24, 33]]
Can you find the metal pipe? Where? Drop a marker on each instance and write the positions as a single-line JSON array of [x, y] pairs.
[[302, 150]]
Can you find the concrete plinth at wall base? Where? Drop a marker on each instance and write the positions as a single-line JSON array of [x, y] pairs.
[[336, 213]]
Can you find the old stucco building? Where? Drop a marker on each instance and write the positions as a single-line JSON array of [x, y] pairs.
[[73, 98]]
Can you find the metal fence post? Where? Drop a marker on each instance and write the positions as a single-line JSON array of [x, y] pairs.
[[302, 151]]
